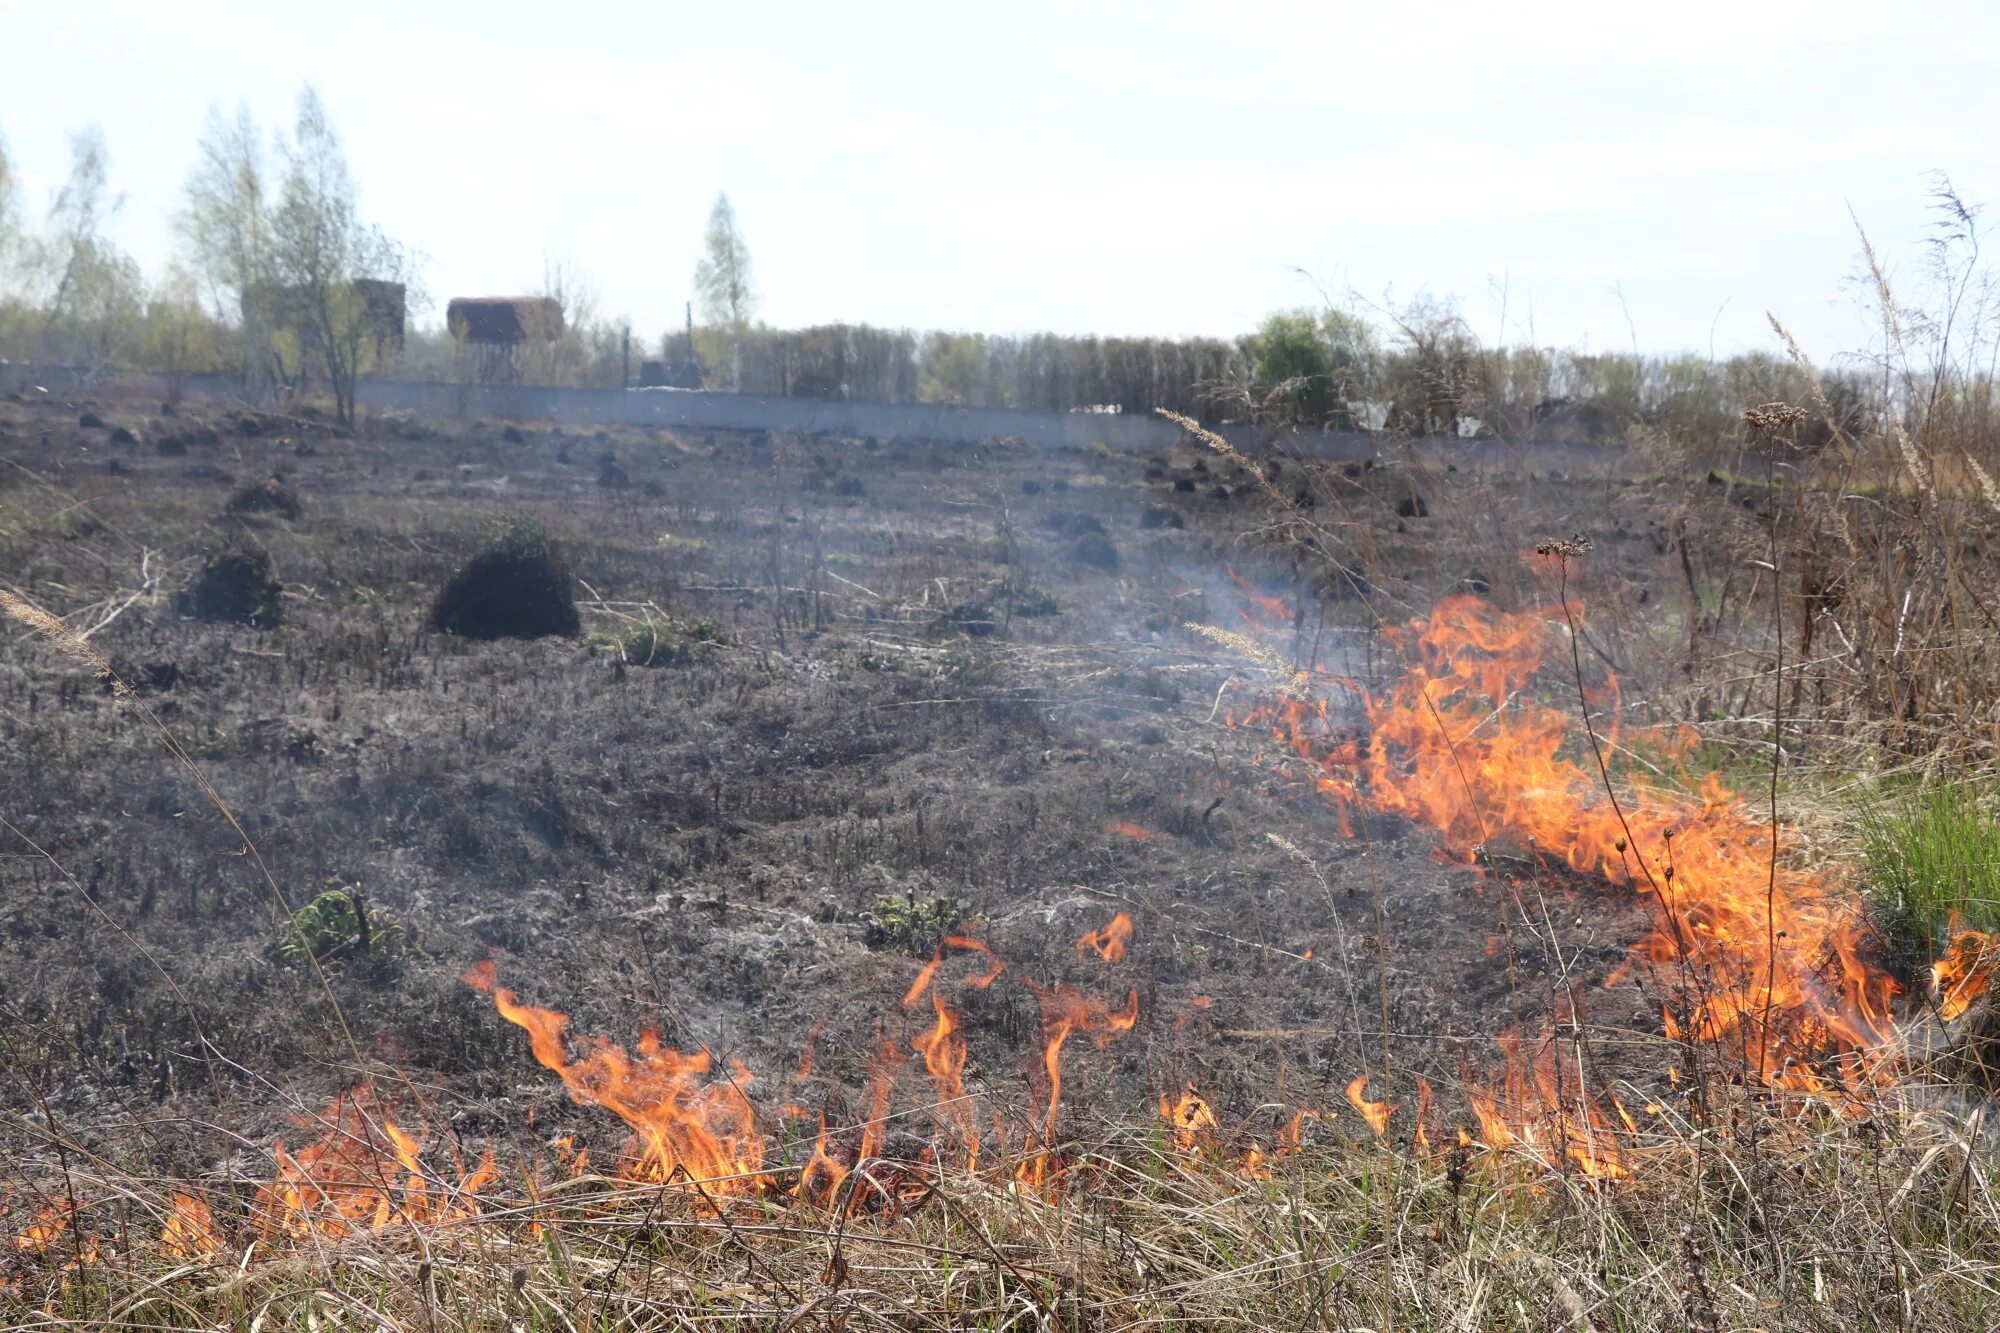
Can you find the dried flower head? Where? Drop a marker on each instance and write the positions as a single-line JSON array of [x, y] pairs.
[[1773, 418], [1987, 490], [1565, 548], [1243, 644], [59, 636], [1214, 442], [1297, 683]]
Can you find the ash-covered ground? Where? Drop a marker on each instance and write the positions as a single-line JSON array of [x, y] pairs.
[[904, 688]]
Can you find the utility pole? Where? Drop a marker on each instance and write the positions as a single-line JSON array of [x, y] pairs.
[[625, 377]]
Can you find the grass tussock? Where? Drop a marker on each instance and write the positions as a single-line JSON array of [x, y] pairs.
[[1932, 855]]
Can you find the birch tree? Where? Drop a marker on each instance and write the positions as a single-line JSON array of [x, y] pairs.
[[326, 263], [225, 230], [724, 286]]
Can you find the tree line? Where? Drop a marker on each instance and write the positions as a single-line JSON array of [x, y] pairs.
[[278, 279], [275, 276]]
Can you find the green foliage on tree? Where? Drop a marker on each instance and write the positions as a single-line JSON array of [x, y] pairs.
[[1312, 367], [90, 292], [178, 338], [954, 369]]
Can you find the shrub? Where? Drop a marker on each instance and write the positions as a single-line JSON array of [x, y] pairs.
[[973, 619], [516, 587], [235, 587], [337, 923], [1029, 599], [265, 497], [1096, 552], [656, 641]]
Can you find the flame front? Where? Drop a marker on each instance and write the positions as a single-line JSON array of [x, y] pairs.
[[1065, 1011], [1784, 984]]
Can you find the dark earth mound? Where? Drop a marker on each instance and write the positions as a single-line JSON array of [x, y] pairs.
[[236, 587], [518, 588]]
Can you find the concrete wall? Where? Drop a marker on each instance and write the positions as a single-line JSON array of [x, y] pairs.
[[701, 411], [696, 411]]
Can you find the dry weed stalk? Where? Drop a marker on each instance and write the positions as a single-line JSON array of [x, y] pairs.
[[59, 636]]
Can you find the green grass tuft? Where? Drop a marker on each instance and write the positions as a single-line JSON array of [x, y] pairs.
[[1933, 860]]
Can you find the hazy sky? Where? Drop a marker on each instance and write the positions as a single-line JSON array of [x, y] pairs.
[[1152, 168]]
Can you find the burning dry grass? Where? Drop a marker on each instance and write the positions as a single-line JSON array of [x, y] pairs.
[[1822, 1223], [1790, 1166]]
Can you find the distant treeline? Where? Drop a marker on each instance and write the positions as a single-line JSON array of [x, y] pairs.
[[254, 227], [1428, 375]]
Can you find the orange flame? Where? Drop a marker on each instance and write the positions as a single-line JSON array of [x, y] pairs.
[[1066, 1010], [1456, 745], [1136, 832], [1375, 1113], [1190, 1121], [683, 1124], [1272, 613], [1108, 940], [1538, 1104], [189, 1231], [995, 965], [1965, 972], [943, 1049], [364, 1172]]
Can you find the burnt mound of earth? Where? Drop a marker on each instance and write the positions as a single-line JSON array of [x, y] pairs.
[[517, 588], [1095, 551], [266, 497], [235, 587]]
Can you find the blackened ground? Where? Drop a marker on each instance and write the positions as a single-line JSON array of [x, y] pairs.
[[904, 674]]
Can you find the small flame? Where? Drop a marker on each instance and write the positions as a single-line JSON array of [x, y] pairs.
[[1375, 1113], [364, 1172], [1540, 1104], [1065, 1011], [1272, 614], [1190, 1121], [684, 1124], [1122, 829], [943, 1050], [189, 1231], [1108, 941], [1965, 972]]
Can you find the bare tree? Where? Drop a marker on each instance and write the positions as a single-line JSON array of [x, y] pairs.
[[225, 229], [92, 287], [333, 274], [723, 283], [561, 350]]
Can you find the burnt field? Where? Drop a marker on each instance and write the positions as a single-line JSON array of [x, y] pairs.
[[827, 702]]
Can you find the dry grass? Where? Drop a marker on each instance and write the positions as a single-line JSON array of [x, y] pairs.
[[1878, 1220]]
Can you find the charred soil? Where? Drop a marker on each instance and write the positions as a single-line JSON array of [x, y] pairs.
[[934, 689]]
